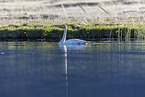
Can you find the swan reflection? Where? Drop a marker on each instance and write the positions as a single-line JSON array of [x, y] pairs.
[[68, 48], [65, 49]]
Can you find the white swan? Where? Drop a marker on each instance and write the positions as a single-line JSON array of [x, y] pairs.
[[70, 41]]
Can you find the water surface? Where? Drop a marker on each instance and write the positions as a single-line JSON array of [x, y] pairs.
[[42, 69]]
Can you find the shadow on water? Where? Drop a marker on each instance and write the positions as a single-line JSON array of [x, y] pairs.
[[42, 69]]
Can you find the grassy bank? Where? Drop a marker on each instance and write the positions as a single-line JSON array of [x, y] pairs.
[[88, 20], [52, 32]]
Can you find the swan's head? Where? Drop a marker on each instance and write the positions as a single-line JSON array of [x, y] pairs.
[[63, 26]]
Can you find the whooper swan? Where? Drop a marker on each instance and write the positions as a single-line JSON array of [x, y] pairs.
[[70, 41]]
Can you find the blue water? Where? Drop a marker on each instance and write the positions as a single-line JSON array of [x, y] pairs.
[[100, 69]]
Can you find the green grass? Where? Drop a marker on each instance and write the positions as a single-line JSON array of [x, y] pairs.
[[53, 32]]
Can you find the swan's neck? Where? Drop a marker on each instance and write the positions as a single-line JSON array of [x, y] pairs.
[[64, 36]]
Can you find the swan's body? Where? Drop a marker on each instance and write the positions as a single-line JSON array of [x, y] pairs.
[[70, 41], [75, 41]]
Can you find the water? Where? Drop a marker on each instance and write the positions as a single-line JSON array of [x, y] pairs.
[[42, 69]]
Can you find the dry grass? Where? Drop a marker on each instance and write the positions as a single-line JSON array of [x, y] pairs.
[[114, 11]]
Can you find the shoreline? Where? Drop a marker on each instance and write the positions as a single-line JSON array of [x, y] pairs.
[[52, 32]]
